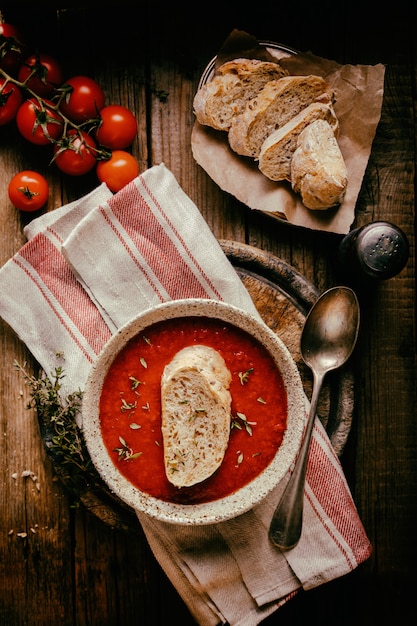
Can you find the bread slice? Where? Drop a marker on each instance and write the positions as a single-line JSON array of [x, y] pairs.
[[318, 170], [196, 414], [237, 81], [277, 150], [278, 102]]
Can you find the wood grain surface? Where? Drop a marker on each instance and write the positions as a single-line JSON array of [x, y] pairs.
[[59, 563]]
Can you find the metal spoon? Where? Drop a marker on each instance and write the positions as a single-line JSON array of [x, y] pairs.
[[327, 341]]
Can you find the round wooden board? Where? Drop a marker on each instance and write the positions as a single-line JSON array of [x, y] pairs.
[[283, 297]]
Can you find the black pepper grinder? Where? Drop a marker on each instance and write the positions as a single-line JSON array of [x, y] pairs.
[[376, 251]]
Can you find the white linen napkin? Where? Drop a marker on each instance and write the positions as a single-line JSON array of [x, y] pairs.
[[86, 270]]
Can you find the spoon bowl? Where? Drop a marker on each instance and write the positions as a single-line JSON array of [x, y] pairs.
[[328, 338], [330, 330]]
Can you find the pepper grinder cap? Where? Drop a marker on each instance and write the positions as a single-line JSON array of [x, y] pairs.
[[383, 248]]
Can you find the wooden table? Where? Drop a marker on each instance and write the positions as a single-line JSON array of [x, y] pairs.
[[72, 568]]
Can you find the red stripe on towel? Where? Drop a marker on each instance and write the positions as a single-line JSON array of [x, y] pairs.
[[57, 277], [150, 280], [173, 270], [329, 488]]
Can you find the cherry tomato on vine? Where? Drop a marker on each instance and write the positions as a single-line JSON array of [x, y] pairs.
[[117, 171], [12, 47], [45, 72], [76, 155], [10, 101], [39, 124], [83, 99], [28, 191], [118, 127]]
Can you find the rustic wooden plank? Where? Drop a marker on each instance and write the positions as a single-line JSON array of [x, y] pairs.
[[385, 448], [381, 454], [34, 505], [34, 519]]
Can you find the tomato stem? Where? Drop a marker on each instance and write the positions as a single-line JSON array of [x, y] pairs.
[[27, 192], [100, 153]]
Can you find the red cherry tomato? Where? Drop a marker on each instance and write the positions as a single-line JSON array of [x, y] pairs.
[[83, 99], [76, 155], [28, 191], [118, 127], [39, 124], [45, 72], [10, 101], [117, 171], [12, 47]]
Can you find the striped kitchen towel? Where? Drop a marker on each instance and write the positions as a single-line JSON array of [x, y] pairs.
[[86, 270]]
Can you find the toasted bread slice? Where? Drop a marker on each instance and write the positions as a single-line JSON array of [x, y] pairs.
[[196, 414], [278, 148], [318, 170], [278, 102], [237, 81]]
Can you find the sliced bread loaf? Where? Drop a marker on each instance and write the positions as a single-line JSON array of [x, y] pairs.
[[278, 102], [318, 170], [237, 81], [278, 148], [196, 414]]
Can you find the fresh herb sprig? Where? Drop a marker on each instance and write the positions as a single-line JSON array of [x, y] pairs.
[[58, 418], [240, 421]]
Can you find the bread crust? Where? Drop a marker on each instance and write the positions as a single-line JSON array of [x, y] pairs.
[[278, 102], [277, 150], [219, 100], [196, 414], [266, 117], [318, 170]]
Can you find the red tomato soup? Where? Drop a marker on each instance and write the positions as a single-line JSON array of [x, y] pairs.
[[130, 407]]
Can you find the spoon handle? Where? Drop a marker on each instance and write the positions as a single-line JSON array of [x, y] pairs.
[[286, 523]]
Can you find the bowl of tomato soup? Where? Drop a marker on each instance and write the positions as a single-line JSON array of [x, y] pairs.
[[122, 411]]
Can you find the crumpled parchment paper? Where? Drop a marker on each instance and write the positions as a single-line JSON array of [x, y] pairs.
[[359, 93]]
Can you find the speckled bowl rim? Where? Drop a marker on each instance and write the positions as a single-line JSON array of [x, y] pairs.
[[248, 496]]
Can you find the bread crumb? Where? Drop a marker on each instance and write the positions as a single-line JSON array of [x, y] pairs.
[[33, 477]]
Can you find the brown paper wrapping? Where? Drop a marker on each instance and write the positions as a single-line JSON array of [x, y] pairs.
[[359, 93]]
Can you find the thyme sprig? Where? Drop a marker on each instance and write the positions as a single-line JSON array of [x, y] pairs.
[[125, 453], [244, 376], [63, 437], [127, 406], [240, 421]]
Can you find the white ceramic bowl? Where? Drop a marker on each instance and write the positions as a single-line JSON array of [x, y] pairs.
[[244, 498]]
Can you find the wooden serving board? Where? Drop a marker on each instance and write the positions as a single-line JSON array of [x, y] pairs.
[[283, 297]]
